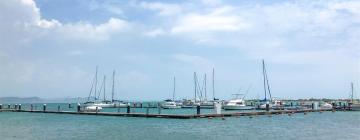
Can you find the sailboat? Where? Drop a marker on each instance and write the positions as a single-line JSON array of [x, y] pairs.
[[354, 105], [90, 102], [104, 103], [275, 104], [171, 104], [116, 102]]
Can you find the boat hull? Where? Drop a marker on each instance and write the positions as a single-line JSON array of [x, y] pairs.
[[228, 107]]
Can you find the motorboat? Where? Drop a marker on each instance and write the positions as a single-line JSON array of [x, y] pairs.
[[326, 106], [237, 104], [170, 104]]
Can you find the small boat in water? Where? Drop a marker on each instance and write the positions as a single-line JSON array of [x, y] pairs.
[[326, 106], [170, 104], [237, 104]]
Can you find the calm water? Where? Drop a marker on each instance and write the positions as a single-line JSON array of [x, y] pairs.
[[34, 126]]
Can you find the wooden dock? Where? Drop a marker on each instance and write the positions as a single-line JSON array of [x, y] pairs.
[[175, 116]]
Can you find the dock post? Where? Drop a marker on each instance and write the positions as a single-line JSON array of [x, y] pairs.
[[78, 107], [312, 106], [291, 104], [128, 109], [44, 107], [31, 107], [159, 108], [141, 105], [69, 105], [19, 107], [147, 111], [8, 106], [97, 110], [58, 108], [0, 106], [198, 109], [267, 107], [15, 106]]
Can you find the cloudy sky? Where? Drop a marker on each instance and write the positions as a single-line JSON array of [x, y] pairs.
[[50, 48]]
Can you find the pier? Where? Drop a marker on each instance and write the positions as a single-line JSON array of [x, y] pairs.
[[177, 116]]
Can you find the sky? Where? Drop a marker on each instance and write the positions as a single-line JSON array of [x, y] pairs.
[[50, 48]]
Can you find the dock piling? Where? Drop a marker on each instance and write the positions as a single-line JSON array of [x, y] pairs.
[[198, 109], [58, 108], [78, 107], [44, 107], [0, 106], [70, 105], [159, 108], [8, 106], [31, 107], [19, 107], [128, 109], [267, 107], [147, 111]]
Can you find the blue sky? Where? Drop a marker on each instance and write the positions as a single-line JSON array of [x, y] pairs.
[[50, 48]]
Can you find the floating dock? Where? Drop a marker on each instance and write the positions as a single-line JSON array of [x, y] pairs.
[[175, 116]]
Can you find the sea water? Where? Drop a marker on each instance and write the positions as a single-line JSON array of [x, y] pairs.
[[39, 126]]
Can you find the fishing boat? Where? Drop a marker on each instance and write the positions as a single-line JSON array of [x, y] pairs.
[[237, 104], [171, 104]]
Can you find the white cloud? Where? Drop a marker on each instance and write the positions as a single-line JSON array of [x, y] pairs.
[[162, 8], [198, 62], [219, 19], [155, 32]]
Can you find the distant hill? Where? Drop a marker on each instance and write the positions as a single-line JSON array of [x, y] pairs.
[[4, 100], [20, 100]]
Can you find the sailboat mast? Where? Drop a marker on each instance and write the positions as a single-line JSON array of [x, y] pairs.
[[174, 90], [195, 86], [113, 87], [213, 82], [104, 87], [205, 88], [352, 92], [264, 80], [96, 72]]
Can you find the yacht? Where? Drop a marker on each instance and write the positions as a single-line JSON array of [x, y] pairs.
[[326, 106], [170, 104], [237, 104]]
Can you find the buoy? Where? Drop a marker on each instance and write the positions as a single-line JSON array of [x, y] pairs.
[[223, 118]]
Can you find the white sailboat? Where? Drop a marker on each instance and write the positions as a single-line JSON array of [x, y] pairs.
[[171, 104], [354, 105]]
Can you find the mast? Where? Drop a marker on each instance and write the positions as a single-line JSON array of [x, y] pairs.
[[213, 82], [205, 88], [96, 72], [113, 87], [352, 92], [195, 86], [264, 80], [174, 90], [104, 87]]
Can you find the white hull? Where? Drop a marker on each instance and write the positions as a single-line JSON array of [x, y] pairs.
[[92, 109], [171, 107], [232, 107], [103, 105]]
